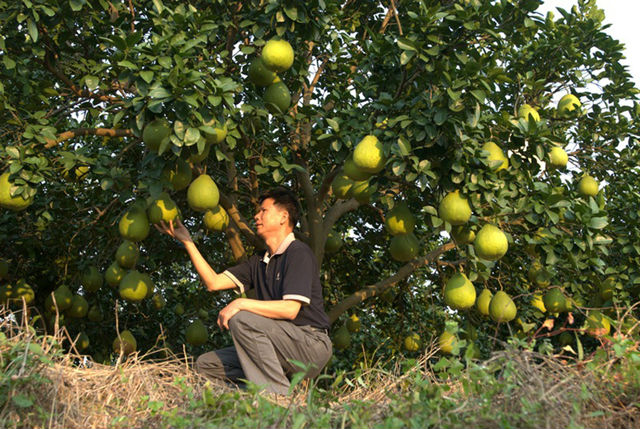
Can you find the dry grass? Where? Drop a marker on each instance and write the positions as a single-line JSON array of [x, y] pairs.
[[513, 388]]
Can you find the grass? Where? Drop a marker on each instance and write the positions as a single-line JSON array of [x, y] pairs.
[[42, 386]]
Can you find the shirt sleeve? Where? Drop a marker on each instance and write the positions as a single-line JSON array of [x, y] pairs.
[[242, 274], [298, 275]]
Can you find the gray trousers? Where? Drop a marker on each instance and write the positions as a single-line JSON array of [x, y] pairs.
[[262, 350]]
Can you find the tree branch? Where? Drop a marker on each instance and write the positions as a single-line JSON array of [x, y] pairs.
[[378, 288], [395, 13], [241, 223], [105, 132]]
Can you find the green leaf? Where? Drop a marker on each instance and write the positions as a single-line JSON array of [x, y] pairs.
[[91, 81], [406, 44], [128, 64], [147, 76], [21, 401], [598, 222], [291, 11], [159, 92], [479, 95], [33, 30], [76, 5], [333, 124]]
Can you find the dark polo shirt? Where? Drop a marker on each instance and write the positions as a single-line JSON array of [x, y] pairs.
[[290, 273]]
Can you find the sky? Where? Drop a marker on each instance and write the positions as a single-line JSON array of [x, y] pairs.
[[623, 17]]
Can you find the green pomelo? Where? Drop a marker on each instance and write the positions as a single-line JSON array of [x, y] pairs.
[[353, 323], [216, 219], [126, 256], [63, 297], [95, 314], [133, 286], [203, 314], [125, 343], [368, 155], [462, 234], [412, 342], [565, 339], [342, 338], [277, 55], [353, 172], [196, 333], [400, 220], [607, 288], [333, 242], [502, 308], [15, 203], [92, 279], [22, 292], [555, 301], [526, 111], [483, 301], [454, 209], [588, 186], [491, 243], [134, 225], [82, 343], [195, 156], [341, 186], [158, 301], [404, 248], [459, 292], [178, 309], [154, 133], [219, 132], [178, 174], [447, 342], [260, 75], [539, 275], [558, 158], [497, 159], [277, 98], [203, 193], [79, 307], [362, 191], [162, 208]]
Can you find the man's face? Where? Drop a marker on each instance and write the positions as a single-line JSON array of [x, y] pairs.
[[270, 218]]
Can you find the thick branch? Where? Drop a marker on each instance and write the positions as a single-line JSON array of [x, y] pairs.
[[378, 288], [326, 185], [240, 222], [336, 211], [105, 132]]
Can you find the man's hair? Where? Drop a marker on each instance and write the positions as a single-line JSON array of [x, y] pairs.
[[285, 199]]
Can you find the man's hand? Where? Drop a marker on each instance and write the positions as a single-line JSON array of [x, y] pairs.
[[177, 230], [229, 311]]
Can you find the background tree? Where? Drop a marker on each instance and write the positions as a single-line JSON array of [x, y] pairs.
[[433, 81]]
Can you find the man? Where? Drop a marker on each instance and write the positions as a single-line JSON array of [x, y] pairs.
[[286, 321]]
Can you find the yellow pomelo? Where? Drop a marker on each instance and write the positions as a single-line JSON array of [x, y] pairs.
[[497, 159], [4, 269], [178, 174], [400, 220], [134, 225], [463, 234], [538, 302], [368, 155], [502, 308], [79, 307], [526, 111], [154, 133], [483, 301], [459, 292], [260, 75], [353, 172], [82, 343], [597, 324], [125, 343], [412, 342], [342, 338], [491, 243], [203, 193], [277, 98], [341, 186], [63, 297], [196, 333], [353, 323], [454, 209], [333, 242], [146, 278], [15, 203], [447, 341], [162, 208], [95, 314], [404, 247], [216, 219], [158, 301], [568, 105], [588, 186], [555, 301], [92, 279], [558, 158], [277, 55], [126, 256], [362, 191], [133, 286], [219, 132]]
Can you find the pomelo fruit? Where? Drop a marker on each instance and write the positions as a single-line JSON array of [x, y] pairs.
[[22, 292], [133, 287], [333, 242], [63, 297], [341, 186], [497, 159], [196, 333], [260, 75], [82, 343], [558, 158], [412, 342], [203, 193], [154, 133], [158, 301], [92, 279], [342, 338], [125, 343], [447, 341], [95, 314], [400, 220], [368, 155], [195, 157], [454, 209], [362, 191], [554, 301], [162, 208], [126, 256], [588, 186], [79, 307], [459, 292], [527, 111], [404, 247], [502, 308], [353, 323], [462, 234], [277, 98], [483, 301], [491, 243], [179, 175], [134, 225], [15, 203], [353, 172], [277, 55], [607, 288], [568, 105], [216, 219], [539, 275]]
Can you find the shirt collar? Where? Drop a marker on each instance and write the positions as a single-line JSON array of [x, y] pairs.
[[290, 238]]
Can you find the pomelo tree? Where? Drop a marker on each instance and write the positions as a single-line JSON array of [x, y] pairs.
[[108, 106]]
